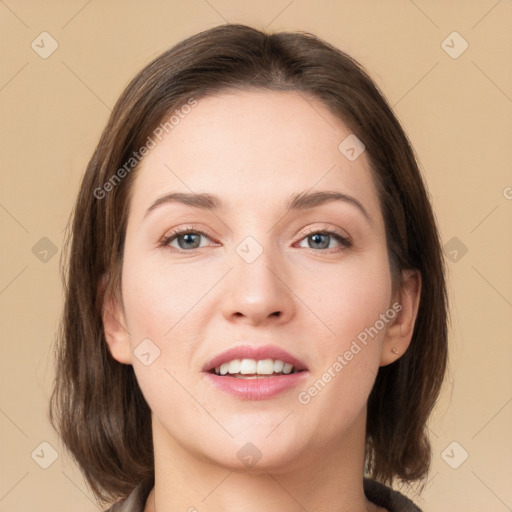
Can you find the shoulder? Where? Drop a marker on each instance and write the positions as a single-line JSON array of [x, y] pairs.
[[136, 501], [388, 498]]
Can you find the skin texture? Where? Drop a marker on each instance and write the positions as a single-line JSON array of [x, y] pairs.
[[254, 149]]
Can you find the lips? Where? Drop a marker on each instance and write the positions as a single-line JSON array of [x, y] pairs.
[[257, 353], [244, 386]]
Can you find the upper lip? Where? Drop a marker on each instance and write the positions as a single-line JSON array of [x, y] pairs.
[[257, 353]]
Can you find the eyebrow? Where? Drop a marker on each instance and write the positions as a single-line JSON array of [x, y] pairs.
[[302, 201]]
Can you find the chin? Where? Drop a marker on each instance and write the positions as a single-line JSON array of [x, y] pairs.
[[254, 459]]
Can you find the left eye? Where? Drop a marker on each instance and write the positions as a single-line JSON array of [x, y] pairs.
[[189, 238], [321, 239]]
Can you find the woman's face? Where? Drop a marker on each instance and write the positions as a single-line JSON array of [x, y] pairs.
[[254, 273]]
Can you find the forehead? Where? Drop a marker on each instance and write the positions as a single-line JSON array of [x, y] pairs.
[[253, 146]]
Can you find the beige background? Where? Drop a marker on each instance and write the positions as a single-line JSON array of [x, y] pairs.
[[457, 112]]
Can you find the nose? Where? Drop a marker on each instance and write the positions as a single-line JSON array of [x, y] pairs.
[[259, 292]]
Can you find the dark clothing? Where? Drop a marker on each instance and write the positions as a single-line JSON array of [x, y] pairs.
[[376, 492]]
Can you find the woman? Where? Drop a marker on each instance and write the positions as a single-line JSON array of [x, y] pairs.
[[256, 312]]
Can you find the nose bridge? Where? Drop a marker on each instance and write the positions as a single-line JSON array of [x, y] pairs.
[[257, 287]]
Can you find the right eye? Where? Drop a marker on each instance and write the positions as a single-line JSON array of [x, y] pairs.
[[188, 239]]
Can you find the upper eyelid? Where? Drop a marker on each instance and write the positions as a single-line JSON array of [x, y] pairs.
[[338, 231], [173, 234], [192, 229]]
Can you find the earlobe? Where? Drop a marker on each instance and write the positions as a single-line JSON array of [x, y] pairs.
[[400, 331], [116, 334]]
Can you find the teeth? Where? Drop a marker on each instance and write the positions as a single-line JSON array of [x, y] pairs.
[[234, 366], [278, 366], [287, 368], [265, 367], [248, 367], [252, 368]]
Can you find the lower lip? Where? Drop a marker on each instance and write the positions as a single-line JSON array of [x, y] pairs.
[[257, 389]]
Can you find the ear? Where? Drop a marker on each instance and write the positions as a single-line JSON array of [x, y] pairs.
[[116, 334], [399, 333]]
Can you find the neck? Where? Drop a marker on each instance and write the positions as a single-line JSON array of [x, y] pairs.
[[323, 479]]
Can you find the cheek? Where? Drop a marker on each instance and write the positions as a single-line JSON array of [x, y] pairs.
[[347, 361], [160, 302], [352, 301], [349, 297], [362, 298], [158, 295]]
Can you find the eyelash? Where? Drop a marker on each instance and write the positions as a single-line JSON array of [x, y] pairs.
[[346, 242]]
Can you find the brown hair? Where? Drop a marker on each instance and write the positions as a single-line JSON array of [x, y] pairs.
[[97, 406]]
